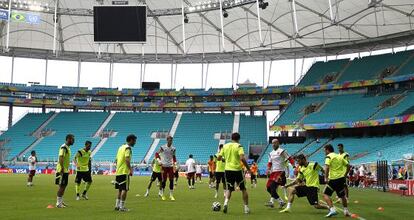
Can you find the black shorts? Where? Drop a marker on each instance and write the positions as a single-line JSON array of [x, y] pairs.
[[155, 176], [310, 192], [83, 175], [233, 178], [176, 174], [337, 185], [220, 177], [211, 175], [122, 182], [62, 180], [32, 173], [253, 177]]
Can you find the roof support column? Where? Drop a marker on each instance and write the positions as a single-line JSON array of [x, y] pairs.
[[111, 73], [172, 74], [46, 67], [205, 86], [270, 73], [232, 73], [12, 71], [202, 73], [263, 73], [79, 71]]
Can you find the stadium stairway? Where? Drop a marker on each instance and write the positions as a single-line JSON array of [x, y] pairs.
[[140, 124], [19, 136], [38, 135], [156, 141], [82, 124], [236, 123]]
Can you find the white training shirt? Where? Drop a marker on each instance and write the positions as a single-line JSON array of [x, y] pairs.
[[278, 159], [32, 162], [167, 154], [190, 164], [198, 169]]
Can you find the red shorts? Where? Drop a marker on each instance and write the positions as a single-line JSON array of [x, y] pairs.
[[167, 172], [279, 177], [190, 175], [32, 173]]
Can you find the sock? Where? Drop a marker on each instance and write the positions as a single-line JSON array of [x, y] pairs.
[[147, 191], [246, 207], [117, 203], [121, 204], [171, 192], [226, 201], [272, 200], [289, 205], [280, 200], [87, 186], [332, 209], [346, 209], [285, 191], [77, 186], [59, 200]]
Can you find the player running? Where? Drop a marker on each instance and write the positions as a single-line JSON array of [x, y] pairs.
[[276, 168], [32, 167], [345, 156], [233, 152], [253, 175], [219, 172], [82, 160], [191, 170], [156, 174], [335, 171], [211, 170], [123, 172], [168, 161], [62, 169], [308, 173]]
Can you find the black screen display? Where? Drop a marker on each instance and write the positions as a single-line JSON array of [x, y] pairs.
[[120, 23]]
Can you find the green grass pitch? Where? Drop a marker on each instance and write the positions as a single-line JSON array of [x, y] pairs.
[[17, 201]]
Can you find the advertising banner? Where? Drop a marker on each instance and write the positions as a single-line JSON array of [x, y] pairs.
[[396, 184], [4, 15]]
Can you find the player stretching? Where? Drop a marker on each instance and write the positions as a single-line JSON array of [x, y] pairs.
[[276, 168], [233, 153], [156, 173], [345, 156], [191, 170], [168, 161], [32, 167], [62, 169], [211, 169], [82, 160], [308, 173], [220, 168], [335, 171], [253, 175], [123, 172]]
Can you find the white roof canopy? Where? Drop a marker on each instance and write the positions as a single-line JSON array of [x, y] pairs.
[[351, 26]]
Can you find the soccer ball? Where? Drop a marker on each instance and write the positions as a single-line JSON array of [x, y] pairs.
[[216, 206]]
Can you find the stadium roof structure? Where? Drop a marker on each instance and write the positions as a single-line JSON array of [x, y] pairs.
[[287, 29]]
